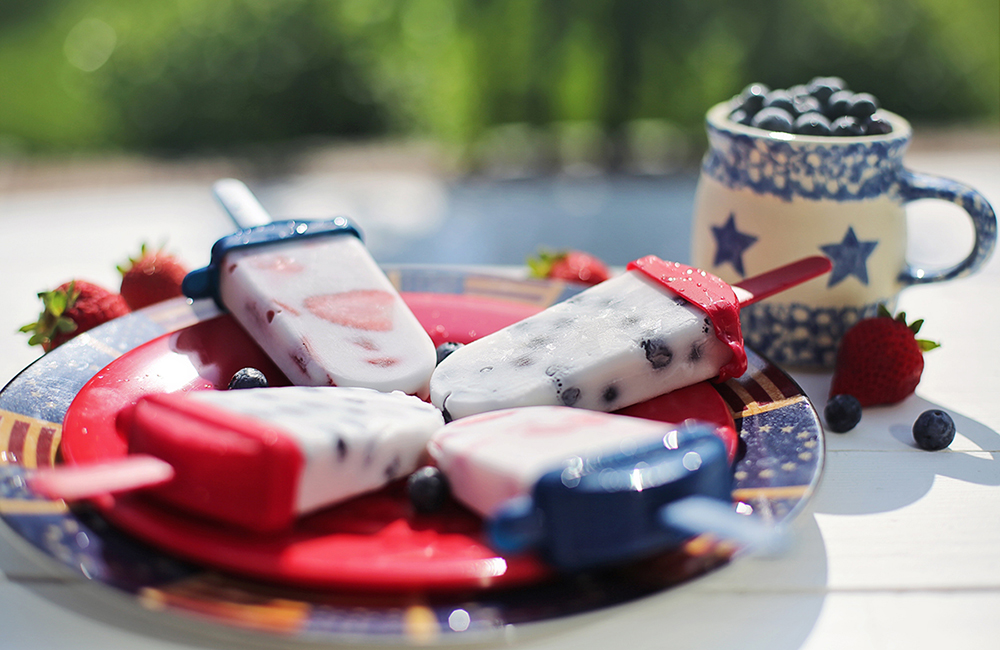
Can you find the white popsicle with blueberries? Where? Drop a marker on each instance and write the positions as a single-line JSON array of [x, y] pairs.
[[257, 458], [657, 327]]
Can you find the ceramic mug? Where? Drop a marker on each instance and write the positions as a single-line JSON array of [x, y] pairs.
[[766, 198]]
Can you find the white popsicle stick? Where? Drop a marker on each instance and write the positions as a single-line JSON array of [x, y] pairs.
[[240, 203], [74, 482], [698, 514]]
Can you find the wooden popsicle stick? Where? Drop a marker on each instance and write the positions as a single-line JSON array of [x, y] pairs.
[[74, 482], [777, 280]]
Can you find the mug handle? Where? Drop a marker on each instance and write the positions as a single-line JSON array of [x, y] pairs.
[[914, 186]]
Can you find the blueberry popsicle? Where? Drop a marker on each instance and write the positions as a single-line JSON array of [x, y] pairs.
[[312, 297], [658, 327], [259, 458], [620, 342]]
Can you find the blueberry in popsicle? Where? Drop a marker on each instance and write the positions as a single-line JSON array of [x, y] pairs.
[[657, 327], [311, 296]]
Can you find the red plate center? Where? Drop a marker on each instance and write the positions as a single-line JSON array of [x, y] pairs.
[[373, 543]]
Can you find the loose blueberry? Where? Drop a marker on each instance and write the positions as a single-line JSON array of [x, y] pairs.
[[446, 348], [846, 126], [740, 116], [839, 103], [822, 87], [877, 125], [780, 99], [842, 413], [813, 123], [863, 105], [773, 119], [806, 104], [428, 489], [248, 378], [933, 430], [751, 99]]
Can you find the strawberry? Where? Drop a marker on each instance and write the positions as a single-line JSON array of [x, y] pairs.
[[151, 278], [73, 308], [572, 266], [880, 360], [362, 309]]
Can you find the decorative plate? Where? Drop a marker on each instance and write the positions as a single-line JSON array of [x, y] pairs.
[[466, 592]]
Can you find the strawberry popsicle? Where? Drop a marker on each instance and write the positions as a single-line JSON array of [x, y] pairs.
[[260, 457], [312, 297], [657, 327], [585, 488], [490, 458]]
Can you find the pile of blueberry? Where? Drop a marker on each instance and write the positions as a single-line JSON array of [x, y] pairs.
[[822, 107]]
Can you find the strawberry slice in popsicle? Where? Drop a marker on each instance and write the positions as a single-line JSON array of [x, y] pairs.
[[657, 327]]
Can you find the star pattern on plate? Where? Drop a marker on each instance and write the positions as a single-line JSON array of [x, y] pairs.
[[730, 244], [849, 257]]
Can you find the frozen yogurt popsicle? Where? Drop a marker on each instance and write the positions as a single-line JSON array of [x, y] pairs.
[[583, 488], [490, 458], [658, 327], [258, 458], [655, 328], [312, 297]]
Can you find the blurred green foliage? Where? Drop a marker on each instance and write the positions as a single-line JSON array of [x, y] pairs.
[[186, 75]]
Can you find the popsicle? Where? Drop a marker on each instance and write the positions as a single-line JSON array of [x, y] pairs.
[[259, 458], [311, 296], [653, 329], [490, 458], [585, 488]]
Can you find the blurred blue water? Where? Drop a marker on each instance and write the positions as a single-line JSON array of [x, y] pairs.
[[617, 218]]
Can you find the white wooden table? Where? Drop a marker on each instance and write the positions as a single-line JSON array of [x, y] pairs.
[[899, 548]]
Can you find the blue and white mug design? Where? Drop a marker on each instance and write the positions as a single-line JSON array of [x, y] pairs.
[[766, 198]]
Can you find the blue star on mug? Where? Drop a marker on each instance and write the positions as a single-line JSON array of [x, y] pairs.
[[730, 244], [849, 257]]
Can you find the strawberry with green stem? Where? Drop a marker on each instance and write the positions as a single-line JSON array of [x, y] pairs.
[[70, 309], [571, 266], [880, 360], [152, 277]]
